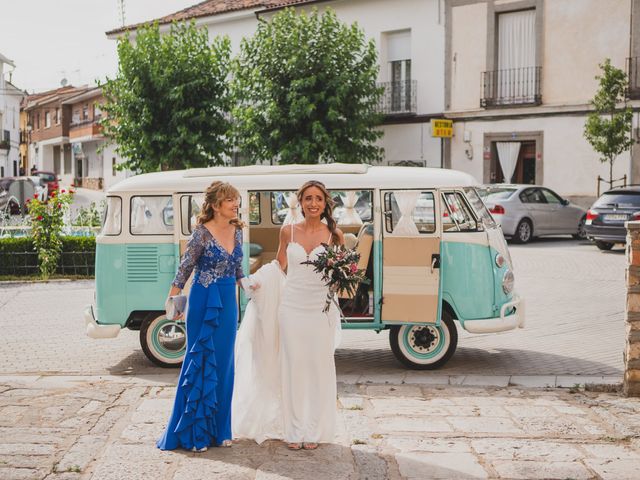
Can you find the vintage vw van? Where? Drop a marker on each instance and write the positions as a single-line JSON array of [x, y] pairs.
[[432, 252]]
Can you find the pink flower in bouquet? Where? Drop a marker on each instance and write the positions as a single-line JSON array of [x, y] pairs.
[[353, 268], [330, 263]]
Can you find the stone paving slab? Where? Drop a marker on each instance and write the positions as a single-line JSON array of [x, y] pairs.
[[103, 428]]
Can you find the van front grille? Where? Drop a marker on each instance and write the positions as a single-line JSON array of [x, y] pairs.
[[142, 263]]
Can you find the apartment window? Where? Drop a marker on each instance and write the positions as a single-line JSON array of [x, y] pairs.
[[517, 77], [47, 119], [399, 57], [38, 120], [113, 167], [85, 111], [76, 116], [56, 117], [97, 113]]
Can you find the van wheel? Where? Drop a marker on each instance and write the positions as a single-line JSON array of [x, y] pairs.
[[524, 231], [424, 347], [163, 341]]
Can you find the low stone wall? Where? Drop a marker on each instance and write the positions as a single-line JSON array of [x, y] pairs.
[[632, 345]]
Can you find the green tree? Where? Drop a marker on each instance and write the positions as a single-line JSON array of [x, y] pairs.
[[608, 128], [168, 106], [306, 92]]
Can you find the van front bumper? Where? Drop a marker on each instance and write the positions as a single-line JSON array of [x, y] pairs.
[[503, 322], [94, 330]]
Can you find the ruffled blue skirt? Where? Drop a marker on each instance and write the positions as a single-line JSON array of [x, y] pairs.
[[201, 414]]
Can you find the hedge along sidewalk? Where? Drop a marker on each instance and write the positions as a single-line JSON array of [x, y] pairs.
[[18, 257]]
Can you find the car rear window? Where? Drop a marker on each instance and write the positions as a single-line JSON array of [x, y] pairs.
[[47, 177], [495, 193], [619, 199]]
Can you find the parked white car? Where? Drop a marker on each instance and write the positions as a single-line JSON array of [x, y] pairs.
[[528, 211]]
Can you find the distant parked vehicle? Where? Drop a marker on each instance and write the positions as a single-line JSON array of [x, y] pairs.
[[528, 211], [51, 179], [41, 187], [14, 192], [606, 217]]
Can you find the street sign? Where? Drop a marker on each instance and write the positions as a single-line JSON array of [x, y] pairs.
[[441, 128]]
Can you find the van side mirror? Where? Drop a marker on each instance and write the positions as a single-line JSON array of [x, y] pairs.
[[565, 202]]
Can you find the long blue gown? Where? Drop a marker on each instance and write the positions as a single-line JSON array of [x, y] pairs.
[[201, 414]]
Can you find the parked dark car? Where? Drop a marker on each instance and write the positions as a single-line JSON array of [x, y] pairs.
[[51, 179], [606, 217], [528, 211]]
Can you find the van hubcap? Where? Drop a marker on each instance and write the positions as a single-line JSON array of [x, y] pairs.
[[424, 339], [169, 339]]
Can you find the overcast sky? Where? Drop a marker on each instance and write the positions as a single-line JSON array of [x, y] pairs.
[[49, 40]]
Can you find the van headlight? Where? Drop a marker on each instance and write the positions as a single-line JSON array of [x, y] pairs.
[[499, 260], [507, 282]]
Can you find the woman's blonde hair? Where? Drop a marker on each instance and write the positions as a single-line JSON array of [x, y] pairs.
[[214, 195], [327, 213]]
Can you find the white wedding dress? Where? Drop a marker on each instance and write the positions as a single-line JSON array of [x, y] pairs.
[[308, 338], [285, 378]]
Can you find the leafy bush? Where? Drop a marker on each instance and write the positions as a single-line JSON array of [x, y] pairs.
[[18, 256]]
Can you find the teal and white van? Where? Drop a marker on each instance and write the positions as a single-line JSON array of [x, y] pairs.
[[432, 252]]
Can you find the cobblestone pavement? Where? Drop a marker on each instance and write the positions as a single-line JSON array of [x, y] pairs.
[[104, 428], [575, 325]]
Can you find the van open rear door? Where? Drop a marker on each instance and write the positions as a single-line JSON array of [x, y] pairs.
[[411, 233]]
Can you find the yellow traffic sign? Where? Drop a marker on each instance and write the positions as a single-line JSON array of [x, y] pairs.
[[441, 128]]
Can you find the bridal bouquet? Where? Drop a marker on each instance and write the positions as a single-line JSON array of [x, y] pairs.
[[338, 266]]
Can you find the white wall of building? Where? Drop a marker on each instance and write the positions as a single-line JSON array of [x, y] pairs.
[[578, 36], [570, 166], [10, 98]]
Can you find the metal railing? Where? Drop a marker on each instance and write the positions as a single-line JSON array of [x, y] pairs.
[[399, 98], [633, 72], [515, 86]]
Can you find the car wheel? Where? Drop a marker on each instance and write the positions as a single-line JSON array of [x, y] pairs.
[[604, 245], [424, 347], [524, 231], [581, 235], [163, 341]]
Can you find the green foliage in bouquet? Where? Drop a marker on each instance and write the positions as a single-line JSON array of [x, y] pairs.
[[338, 266]]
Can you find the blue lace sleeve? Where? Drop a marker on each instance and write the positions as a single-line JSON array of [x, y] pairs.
[[239, 273], [195, 248]]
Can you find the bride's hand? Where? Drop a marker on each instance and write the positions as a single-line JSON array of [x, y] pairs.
[[254, 286]]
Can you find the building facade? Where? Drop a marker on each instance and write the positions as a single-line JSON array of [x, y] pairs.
[[48, 124], [10, 98], [410, 37], [94, 162], [520, 75]]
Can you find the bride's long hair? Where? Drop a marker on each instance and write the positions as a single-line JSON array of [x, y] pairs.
[[327, 213]]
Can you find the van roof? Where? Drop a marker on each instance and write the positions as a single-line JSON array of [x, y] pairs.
[[289, 177]]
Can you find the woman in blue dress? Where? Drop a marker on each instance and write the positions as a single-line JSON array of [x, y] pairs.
[[201, 414]]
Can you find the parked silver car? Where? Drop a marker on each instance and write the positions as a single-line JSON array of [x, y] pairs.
[[528, 211]]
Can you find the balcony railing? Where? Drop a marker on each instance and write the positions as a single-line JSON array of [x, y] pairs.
[[399, 98], [633, 72], [516, 86]]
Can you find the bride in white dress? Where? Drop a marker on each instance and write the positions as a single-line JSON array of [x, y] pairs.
[[285, 385], [307, 335]]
